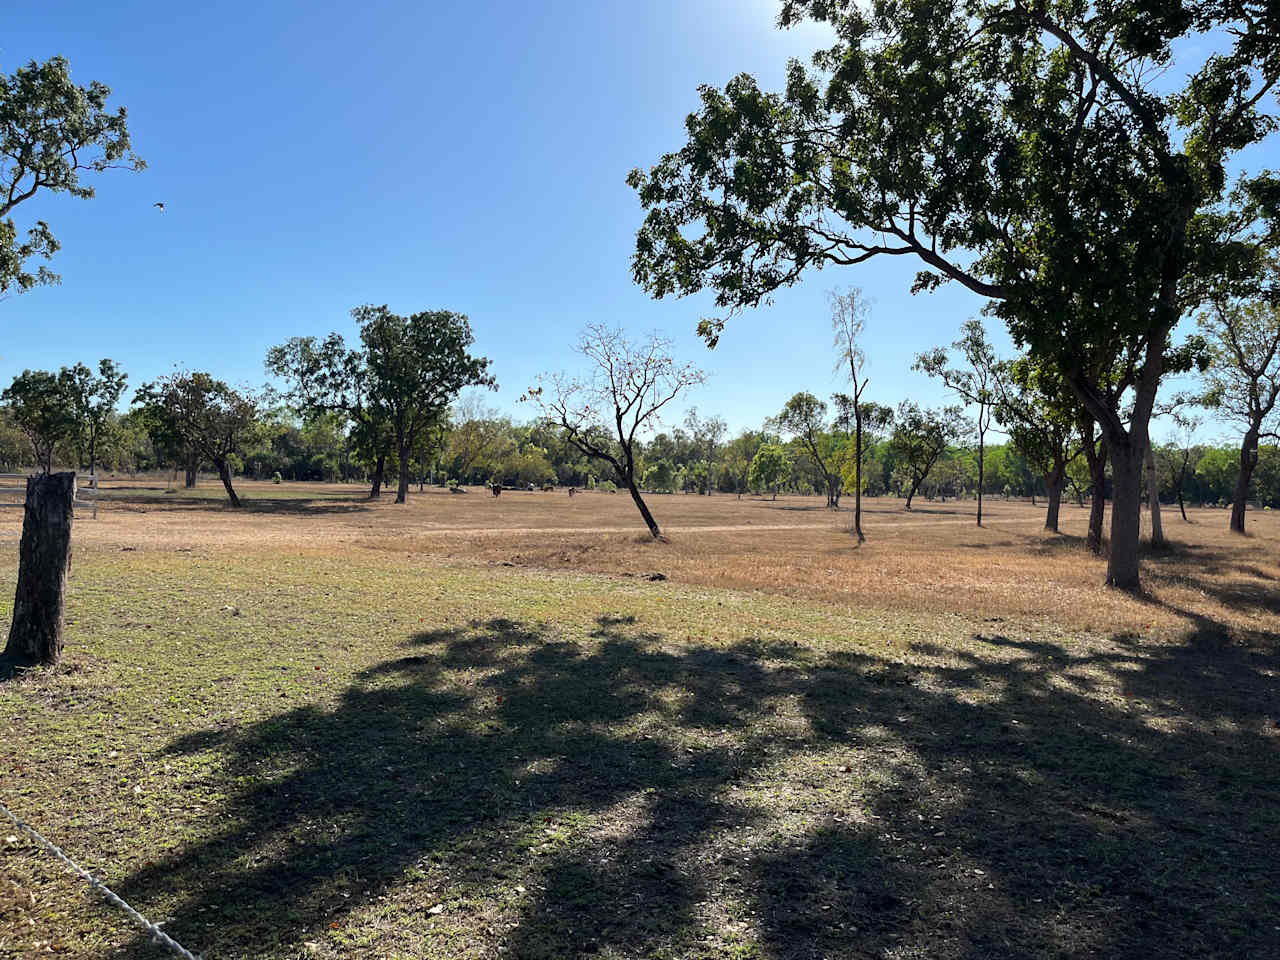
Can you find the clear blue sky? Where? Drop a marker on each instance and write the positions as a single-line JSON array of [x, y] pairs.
[[468, 156]]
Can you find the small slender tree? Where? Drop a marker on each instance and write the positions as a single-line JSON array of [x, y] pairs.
[[977, 386], [707, 432], [848, 322], [1243, 382], [605, 412]]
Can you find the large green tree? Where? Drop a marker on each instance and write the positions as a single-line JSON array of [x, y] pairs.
[[215, 421], [51, 132], [41, 406], [417, 366], [1033, 151], [93, 401], [326, 376]]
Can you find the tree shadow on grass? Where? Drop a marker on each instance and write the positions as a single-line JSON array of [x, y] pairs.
[[285, 506], [630, 796]]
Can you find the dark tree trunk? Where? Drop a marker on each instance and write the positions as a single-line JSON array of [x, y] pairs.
[[651, 523], [402, 487], [1095, 452], [192, 466], [224, 474], [379, 471], [1153, 497], [857, 472], [915, 485], [1053, 488], [35, 633], [1248, 461], [1126, 513], [981, 457]]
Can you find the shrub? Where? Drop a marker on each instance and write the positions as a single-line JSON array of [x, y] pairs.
[[276, 478], [608, 486]]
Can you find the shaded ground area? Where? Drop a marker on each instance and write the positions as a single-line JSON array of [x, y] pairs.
[[354, 758]]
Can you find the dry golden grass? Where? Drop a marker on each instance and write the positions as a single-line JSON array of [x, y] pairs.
[[932, 560]]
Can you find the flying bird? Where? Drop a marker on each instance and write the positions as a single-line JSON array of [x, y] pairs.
[[160, 205]]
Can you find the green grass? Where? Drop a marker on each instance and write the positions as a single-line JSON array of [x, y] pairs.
[[384, 757]]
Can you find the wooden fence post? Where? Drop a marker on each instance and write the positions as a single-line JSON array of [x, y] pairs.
[[35, 635]]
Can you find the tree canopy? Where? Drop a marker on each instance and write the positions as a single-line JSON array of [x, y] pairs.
[[51, 132]]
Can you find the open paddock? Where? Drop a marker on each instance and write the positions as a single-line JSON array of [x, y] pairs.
[[471, 727]]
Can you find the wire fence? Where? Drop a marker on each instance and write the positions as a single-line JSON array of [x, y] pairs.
[[158, 936], [13, 491]]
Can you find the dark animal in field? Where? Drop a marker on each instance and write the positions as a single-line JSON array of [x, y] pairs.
[[496, 488], [573, 491]]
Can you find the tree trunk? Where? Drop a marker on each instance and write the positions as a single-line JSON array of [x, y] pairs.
[[1153, 497], [915, 485], [857, 473], [1053, 489], [1095, 453], [224, 474], [1248, 461], [35, 633], [379, 471], [402, 488], [981, 457], [651, 523], [192, 466], [1126, 513]]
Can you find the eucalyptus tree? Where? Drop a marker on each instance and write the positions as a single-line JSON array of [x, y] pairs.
[[607, 410], [978, 385], [805, 418], [920, 437], [51, 133], [1033, 151], [417, 366], [1243, 382], [848, 323], [1043, 420], [706, 432]]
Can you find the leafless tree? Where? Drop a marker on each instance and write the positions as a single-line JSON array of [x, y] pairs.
[[604, 411]]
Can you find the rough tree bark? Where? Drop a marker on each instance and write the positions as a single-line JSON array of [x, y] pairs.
[[35, 633], [651, 523], [1248, 461], [224, 474], [1126, 512], [379, 471], [1053, 483]]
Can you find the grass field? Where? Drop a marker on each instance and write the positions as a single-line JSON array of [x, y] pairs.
[[474, 727]]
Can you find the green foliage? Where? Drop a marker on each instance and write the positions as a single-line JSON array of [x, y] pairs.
[[920, 437], [41, 406], [51, 132], [769, 467]]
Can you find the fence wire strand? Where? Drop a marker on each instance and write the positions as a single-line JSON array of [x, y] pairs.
[[157, 935]]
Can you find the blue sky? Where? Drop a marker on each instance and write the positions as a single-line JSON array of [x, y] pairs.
[[467, 156]]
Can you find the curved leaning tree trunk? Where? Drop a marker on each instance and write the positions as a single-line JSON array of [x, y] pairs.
[[1248, 462], [651, 523], [224, 474], [35, 633]]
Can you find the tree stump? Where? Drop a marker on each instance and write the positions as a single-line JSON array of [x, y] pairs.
[[35, 635]]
